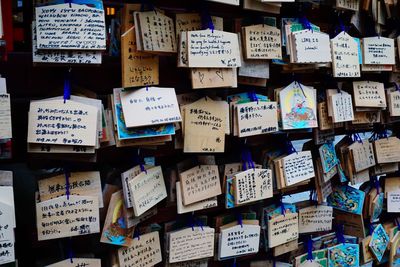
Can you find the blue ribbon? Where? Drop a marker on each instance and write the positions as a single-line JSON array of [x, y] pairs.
[[378, 134], [371, 228], [67, 185], [240, 219], [70, 252], [247, 161], [273, 263], [339, 233], [140, 161], [306, 23], [191, 221], [309, 249], [142, 168], [375, 183], [397, 86], [384, 134], [355, 137], [253, 96], [313, 197], [68, 2], [341, 25], [234, 262], [282, 206], [289, 147], [244, 164], [250, 160], [67, 86], [397, 223], [200, 224], [206, 20], [136, 233]]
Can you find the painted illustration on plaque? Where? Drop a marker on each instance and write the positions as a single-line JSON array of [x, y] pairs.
[[298, 106], [346, 198]]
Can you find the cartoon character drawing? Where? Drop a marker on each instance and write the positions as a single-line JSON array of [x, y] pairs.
[[300, 113], [298, 106]]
